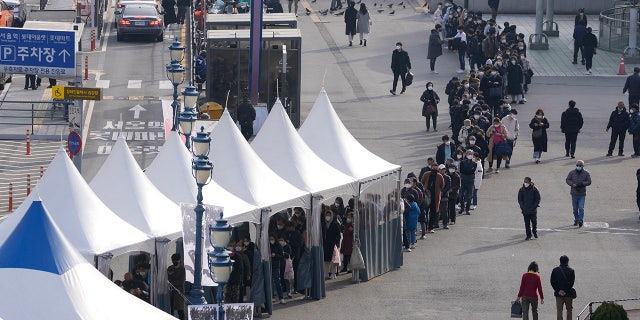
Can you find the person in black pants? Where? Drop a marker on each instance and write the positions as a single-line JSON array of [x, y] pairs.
[[633, 86], [619, 123], [30, 82], [589, 45], [638, 191], [400, 65], [570, 124], [529, 201]]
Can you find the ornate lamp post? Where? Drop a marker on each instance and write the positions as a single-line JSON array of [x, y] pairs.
[[176, 50], [175, 74], [188, 117], [219, 262], [201, 169]]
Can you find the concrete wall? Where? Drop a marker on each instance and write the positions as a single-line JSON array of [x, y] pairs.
[[528, 6]]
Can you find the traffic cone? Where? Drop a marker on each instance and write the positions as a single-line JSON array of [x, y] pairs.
[[621, 70]]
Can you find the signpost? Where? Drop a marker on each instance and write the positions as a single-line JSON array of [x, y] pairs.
[[76, 93], [42, 52], [74, 143]]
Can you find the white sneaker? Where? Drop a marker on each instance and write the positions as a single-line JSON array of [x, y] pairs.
[[473, 207], [407, 250], [524, 99], [412, 247], [435, 71], [588, 72], [460, 71], [282, 301], [457, 207]]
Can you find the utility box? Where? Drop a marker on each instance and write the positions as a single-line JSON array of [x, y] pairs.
[[243, 21]]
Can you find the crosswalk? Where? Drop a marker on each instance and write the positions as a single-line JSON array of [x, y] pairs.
[[135, 84]]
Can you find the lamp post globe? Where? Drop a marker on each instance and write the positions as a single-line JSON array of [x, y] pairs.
[[190, 96], [187, 119], [219, 263], [201, 144], [175, 74], [176, 50]]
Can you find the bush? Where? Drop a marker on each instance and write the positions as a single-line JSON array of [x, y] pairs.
[[610, 311]]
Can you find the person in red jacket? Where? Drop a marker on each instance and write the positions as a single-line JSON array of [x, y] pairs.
[[530, 287]]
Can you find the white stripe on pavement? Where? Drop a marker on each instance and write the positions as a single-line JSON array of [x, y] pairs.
[[104, 84], [134, 84], [165, 84]]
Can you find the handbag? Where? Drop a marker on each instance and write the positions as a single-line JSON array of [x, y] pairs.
[[503, 149], [429, 110], [516, 309], [572, 292], [357, 261], [495, 91], [336, 256], [536, 134], [408, 79]]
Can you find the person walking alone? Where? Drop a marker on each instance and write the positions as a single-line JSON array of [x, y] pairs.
[[530, 287], [633, 86], [563, 278], [363, 26], [430, 100], [578, 179], [529, 201], [619, 123], [570, 124], [350, 19], [539, 124], [589, 45], [400, 65], [435, 47], [634, 129]]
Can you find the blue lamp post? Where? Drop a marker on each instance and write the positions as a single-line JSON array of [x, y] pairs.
[[188, 117], [175, 74], [201, 169], [176, 49], [219, 263]]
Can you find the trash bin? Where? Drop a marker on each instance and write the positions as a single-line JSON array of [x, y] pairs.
[[213, 109]]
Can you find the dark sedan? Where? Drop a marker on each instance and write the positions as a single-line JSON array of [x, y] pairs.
[[143, 20]]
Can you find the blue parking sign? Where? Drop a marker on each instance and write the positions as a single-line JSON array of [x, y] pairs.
[[50, 53]]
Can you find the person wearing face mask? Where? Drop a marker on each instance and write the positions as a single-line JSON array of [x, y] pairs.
[[460, 43], [433, 182], [589, 45], [468, 169], [494, 89], [579, 31], [619, 123], [632, 84], [435, 47], [579, 179], [581, 18], [634, 129], [466, 88], [477, 182], [330, 240], [277, 259], [539, 124], [400, 65], [515, 80], [176, 276], [465, 132], [346, 248], [430, 100], [411, 214], [571, 122], [497, 135], [454, 192], [473, 145], [444, 198], [286, 254], [338, 208], [510, 122], [247, 269], [528, 74], [445, 150], [236, 279], [529, 201]]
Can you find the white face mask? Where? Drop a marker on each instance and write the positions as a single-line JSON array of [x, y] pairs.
[[452, 170], [327, 219], [466, 85], [280, 227], [476, 116], [272, 241], [539, 116], [459, 156], [246, 243], [349, 220], [430, 87], [480, 74], [472, 142], [470, 156], [407, 186], [526, 185], [503, 41], [398, 47], [282, 243], [493, 73], [521, 57], [499, 64], [447, 142], [513, 62], [238, 248]]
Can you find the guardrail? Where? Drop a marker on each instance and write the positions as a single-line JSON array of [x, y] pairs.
[[614, 28], [590, 306], [34, 113]]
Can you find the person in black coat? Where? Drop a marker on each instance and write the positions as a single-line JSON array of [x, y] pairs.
[[236, 279], [400, 65], [570, 124], [435, 47], [633, 86], [430, 100], [619, 123], [529, 201], [330, 239], [540, 124], [169, 7], [493, 4], [183, 5], [350, 19], [515, 79], [581, 18], [589, 45], [562, 280], [246, 115], [579, 31], [277, 259]]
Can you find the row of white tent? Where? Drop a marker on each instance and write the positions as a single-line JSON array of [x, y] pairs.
[[124, 209]]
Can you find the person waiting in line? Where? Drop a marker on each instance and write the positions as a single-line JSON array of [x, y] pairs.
[[330, 240], [286, 254], [177, 276], [277, 258], [346, 247]]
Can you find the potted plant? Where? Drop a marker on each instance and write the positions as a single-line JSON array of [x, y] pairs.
[[610, 311]]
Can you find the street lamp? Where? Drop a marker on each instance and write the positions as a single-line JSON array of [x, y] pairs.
[[201, 170], [176, 49], [188, 117], [175, 74], [219, 263]]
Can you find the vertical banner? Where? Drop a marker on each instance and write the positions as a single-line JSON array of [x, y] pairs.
[[255, 49], [211, 213]]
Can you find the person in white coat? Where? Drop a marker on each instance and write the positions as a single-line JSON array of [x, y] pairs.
[[477, 182], [510, 122]]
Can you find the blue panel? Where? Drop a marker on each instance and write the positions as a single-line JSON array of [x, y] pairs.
[[43, 52], [36, 244]]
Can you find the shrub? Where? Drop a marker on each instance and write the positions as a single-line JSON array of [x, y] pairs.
[[610, 311]]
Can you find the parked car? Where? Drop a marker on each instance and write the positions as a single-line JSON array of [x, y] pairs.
[[140, 19], [19, 12], [6, 15], [121, 4]]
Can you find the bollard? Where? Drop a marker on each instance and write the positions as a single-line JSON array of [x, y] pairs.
[[28, 143], [93, 40], [86, 67], [10, 197], [28, 184], [41, 171]]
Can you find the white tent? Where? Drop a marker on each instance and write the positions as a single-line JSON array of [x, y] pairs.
[[239, 170], [281, 148], [123, 187], [87, 222], [327, 136], [49, 279], [171, 173]]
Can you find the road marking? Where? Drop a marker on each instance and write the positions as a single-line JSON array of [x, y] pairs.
[[585, 229], [134, 84], [136, 111], [165, 85], [104, 84]]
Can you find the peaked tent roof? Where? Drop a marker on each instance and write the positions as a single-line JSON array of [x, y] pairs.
[[121, 185], [171, 173], [37, 255], [239, 170], [327, 136], [279, 145], [87, 222]]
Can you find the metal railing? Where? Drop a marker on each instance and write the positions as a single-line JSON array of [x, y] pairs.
[[614, 28], [590, 306], [40, 113]]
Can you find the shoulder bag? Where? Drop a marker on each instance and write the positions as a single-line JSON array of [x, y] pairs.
[[536, 134], [572, 292]]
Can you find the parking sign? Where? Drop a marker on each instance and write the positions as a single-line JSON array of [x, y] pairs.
[[49, 53]]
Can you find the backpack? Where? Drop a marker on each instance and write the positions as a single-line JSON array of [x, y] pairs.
[[634, 126]]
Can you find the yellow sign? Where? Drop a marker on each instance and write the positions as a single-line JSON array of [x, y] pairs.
[[57, 92], [82, 93]]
